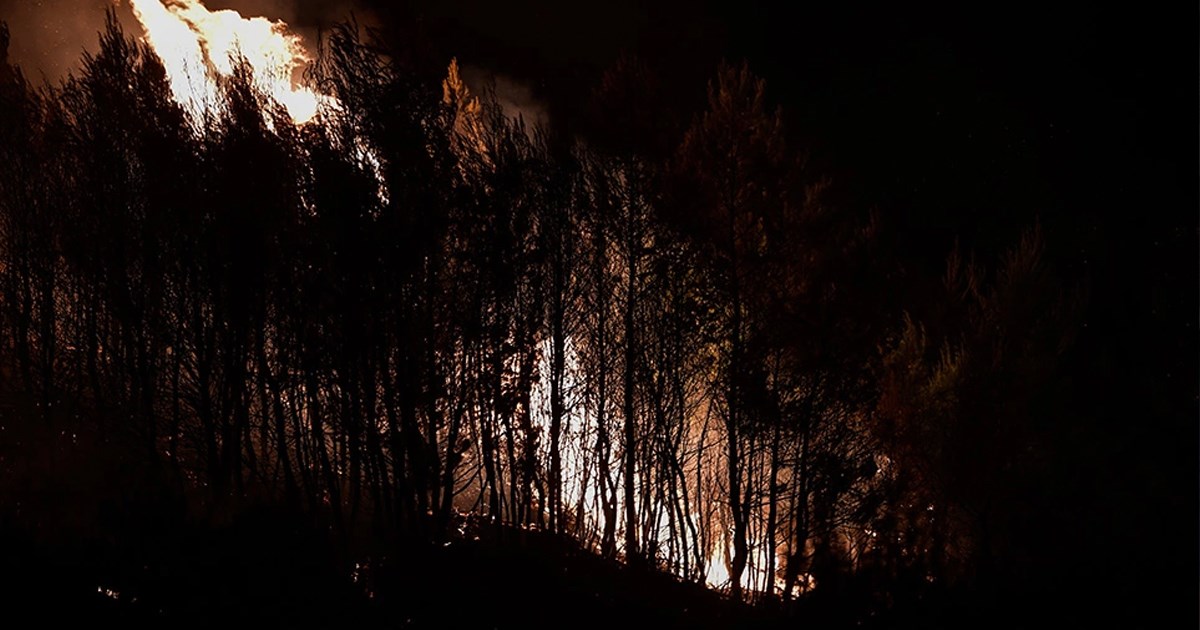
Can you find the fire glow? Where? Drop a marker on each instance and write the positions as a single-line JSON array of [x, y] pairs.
[[199, 47]]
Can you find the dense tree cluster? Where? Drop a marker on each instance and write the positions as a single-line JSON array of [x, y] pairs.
[[667, 344]]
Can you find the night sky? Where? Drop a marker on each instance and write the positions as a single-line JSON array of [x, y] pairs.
[[1068, 112], [953, 123]]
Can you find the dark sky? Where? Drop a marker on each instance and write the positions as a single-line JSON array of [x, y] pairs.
[[962, 122], [1068, 111]]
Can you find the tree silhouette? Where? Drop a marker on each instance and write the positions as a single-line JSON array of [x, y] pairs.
[[415, 319]]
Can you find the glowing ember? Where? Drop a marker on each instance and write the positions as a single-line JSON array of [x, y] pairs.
[[198, 46]]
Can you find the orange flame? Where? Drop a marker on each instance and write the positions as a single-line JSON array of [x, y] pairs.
[[198, 46]]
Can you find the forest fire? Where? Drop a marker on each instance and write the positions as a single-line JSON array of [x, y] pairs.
[[590, 386], [319, 330], [198, 47]]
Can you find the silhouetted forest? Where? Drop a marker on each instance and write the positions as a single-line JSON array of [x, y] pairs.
[[419, 351]]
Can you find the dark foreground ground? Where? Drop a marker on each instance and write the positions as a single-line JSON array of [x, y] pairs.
[[87, 536], [264, 571]]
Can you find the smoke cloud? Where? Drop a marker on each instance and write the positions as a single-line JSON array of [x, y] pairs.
[[515, 97], [49, 36]]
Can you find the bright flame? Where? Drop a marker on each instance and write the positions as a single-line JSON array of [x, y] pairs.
[[577, 485], [198, 46]]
